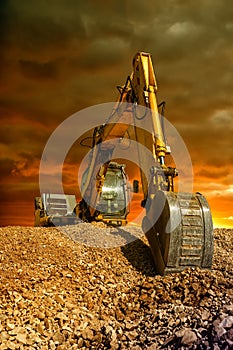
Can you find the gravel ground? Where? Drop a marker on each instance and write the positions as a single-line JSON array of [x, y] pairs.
[[58, 293]]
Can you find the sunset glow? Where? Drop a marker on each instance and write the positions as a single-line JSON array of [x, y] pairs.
[[59, 59]]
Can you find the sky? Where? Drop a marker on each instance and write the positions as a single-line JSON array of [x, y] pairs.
[[59, 57]]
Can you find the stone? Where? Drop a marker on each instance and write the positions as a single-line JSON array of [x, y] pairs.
[[40, 328], [230, 343], [10, 326], [37, 339], [227, 322], [59, 299], [113, 342], [52, 345], [152, 347], [205, 315], [228, 309], [40, 315], [80, 342], [87, 333], [10, 345], [216, 347], [132, 335], [230, 334], [46, 323], [181, 332], [119, 315], [58, 338], [220, 330], [22, 338], [188, 338]]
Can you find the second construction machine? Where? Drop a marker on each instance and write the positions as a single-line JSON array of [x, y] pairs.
[[178, 226]]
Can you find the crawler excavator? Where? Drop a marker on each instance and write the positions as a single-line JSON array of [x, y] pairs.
[[178, 226]]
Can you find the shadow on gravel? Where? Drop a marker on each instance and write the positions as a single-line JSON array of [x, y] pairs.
[[138, 254]]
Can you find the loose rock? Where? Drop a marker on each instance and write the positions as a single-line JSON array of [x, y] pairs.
[[86, 289]]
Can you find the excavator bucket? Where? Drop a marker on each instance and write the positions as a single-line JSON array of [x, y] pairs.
[[181, 236]]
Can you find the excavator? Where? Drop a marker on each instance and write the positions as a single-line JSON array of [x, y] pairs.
[[177, 225]]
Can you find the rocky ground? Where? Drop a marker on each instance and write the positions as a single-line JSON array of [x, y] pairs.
[[64, 291]]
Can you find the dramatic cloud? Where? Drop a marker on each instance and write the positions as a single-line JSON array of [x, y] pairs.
[[60, 57]]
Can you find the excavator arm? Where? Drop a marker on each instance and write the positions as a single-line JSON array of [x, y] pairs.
[[178, 226]]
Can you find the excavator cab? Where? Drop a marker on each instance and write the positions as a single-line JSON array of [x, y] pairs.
[[113, 205]]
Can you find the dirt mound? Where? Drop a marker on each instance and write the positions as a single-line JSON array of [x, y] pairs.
[[57, 293]]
